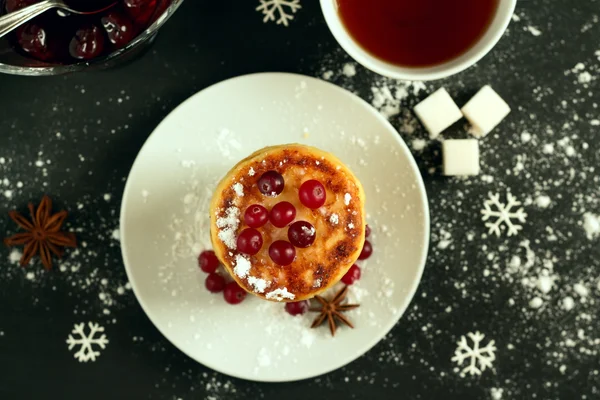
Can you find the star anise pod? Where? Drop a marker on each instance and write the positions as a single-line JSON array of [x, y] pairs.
[[332, 310], [43, 236]]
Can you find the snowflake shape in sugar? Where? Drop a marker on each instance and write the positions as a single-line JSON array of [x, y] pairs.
[[503, 214], [479, 358], [78, 337], [273, 8]]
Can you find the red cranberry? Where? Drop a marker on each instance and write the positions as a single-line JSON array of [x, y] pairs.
[[215, 283], [161, 7], [33, 39], [271, 183], [208, 261], [352, 275], [87, 43], [14, 5], [140, 10], [302, 234], [256, 216], [282, 252], [119, 28], [249, 241], [233, 293], [312, 194], [297, 308], [367, 231], [366, 251], [282, 214]]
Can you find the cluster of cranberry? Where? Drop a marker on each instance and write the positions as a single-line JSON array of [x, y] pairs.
[[353, 274], [61, 38], [215, 282], [301, 234]]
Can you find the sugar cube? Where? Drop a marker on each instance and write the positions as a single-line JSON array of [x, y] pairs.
[[437, 112], [461, 157], [485, 111]]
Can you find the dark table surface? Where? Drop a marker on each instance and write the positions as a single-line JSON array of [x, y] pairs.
[[75, 138]]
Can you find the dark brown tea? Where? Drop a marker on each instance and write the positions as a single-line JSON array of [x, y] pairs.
[[417, 33]]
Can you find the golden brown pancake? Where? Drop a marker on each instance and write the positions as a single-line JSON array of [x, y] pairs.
[[339, 223]]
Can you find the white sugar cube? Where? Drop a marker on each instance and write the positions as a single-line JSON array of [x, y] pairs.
[[485, 111], [437, 112], [461, 157]]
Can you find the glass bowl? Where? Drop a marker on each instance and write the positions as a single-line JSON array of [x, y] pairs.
[[11, 62]]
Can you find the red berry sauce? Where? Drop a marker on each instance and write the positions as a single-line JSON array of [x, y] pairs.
[[63, 38]]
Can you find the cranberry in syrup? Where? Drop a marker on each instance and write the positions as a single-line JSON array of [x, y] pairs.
[[140, 10], [34, 40], [62, 37], [14, 5], [119, 28], [87, 43]]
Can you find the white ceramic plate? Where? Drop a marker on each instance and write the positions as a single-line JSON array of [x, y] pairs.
[[164, 224]]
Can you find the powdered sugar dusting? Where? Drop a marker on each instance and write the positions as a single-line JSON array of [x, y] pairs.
[[334, 219], [242, 266], [228, 226], [280, 294], [347, 198], [238, 188]]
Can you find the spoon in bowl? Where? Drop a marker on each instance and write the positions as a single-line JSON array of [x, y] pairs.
[[15, 19]]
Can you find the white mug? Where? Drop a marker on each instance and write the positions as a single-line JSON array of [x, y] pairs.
[[492, 35]]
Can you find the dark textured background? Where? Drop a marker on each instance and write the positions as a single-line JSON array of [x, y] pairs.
[[209, 41]]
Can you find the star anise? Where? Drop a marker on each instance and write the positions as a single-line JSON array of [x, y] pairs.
[[43, 236], [332, 310]]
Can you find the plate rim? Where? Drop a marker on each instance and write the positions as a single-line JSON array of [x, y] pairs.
[[420, 186]]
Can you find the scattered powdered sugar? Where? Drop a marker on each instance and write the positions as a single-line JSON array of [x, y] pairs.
[[349, 70], [238, 188], [242, 266], [228, 144], [496, 393], [542, 201], [251, 172], [280, 294], [227, 227], [347, 198], [258, 285], [14, 256], [334, 219], [591, 224], [309, 231], [533, 30]]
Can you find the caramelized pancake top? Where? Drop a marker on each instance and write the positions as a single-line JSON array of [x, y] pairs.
[[339, 223]]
